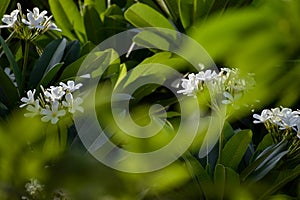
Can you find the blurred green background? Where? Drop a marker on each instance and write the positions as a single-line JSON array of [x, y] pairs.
[[257, 36]]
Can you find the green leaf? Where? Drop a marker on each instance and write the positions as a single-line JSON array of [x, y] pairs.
[[100, 6], [57, 55], [122, 73], [12, 62], [3, 7], [235, 149], [87, 48], [8, 92], [232, 181], [266, 142], [93, 25], [71, 70], [3, 107], [72, 52], [95, 61], [170, 7], [219, 180], [112, 72], [226, 182], [52, 55], [284, 177], [227, 131], [68, 18], [49, 75], [145, 73], [199, 174], [141, 15], [190, 11], [113, 21], [261, 160], [150, 39], [266, 167], [168, 59]]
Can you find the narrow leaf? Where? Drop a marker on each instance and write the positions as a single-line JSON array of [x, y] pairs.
[[58, 55], [51, 56], [141, 15], [71, 70], [281, 181], [262, 158], [12, 62], [49, 75], [199, 174], [219, 180], [260, 172], [3, 7], [93, 25], [72, 52], [235, 149], [8, 92]]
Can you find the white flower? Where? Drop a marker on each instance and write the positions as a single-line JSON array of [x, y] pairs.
[[275, 115], [29, 99], [10, 19], [71, 104], [288, 119], [52, 114], [190, 85], [70, 86], [33, 187], [51, 25], [265, 116], [35, 18], [34, 109], [54, 93], [11, 75], [206, 76]]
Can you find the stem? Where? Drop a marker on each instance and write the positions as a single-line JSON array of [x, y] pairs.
[[220, 147], [222, 119], [25, 60], [6, 41]]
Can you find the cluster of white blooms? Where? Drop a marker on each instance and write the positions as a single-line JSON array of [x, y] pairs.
[[30, 25], [53, 102], [33, 187], [228, 82], [277, 119], [283, 124]]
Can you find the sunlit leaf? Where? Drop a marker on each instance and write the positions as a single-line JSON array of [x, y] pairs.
[[141, 15], [3, 6], [68, 18]]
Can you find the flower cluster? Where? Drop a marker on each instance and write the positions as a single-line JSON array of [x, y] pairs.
[[33, 187], [277, 119], [28, 26], [283, 124], [228, 82], [53, 102]]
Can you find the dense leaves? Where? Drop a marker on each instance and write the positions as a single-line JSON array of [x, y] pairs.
[[236, 157]]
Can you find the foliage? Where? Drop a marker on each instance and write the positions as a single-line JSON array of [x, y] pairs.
[[43, 157]]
